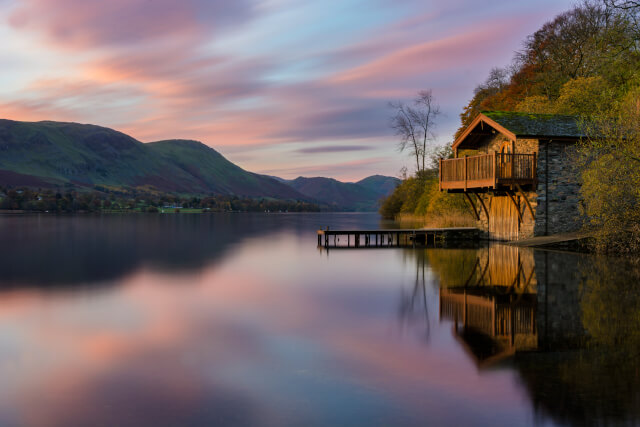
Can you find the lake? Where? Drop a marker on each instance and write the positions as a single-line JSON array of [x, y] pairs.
[[239, 319]]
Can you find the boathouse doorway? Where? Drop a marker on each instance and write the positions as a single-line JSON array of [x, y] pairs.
[[504, 223]]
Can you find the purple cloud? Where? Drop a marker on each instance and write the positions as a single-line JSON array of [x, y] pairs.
[[333, 149], [122, 23]]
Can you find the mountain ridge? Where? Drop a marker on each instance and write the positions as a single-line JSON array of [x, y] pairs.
[[84, 156]]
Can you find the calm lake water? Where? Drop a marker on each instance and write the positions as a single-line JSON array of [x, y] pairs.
[[240, 319]]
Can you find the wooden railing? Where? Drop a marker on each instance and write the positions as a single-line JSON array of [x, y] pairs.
[[487, 170], [487, 315]]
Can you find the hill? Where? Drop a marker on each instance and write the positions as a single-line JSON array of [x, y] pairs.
[[383, 185], [54, 154], [360, 196]]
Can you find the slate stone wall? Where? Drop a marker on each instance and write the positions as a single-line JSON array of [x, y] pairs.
[[559, 192]]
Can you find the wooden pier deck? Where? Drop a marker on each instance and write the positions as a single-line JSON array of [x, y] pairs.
[[392, 238]]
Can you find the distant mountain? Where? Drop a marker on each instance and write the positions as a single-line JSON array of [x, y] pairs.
[[53, 154], [383, 185], [363, 195]]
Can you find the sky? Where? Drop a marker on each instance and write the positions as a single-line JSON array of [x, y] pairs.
[[281, 87]]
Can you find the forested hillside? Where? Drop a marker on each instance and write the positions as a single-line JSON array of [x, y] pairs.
[[584, 62], [82, 157]]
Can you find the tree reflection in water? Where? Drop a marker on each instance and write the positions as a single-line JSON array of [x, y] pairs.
[[568, 323], [413, 310]]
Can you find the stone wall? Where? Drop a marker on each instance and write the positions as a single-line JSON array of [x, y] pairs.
[[559, 310], [559, 192], [494, 144], [526, 146]]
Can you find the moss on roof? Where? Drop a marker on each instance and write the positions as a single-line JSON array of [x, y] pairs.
[[538, 125]]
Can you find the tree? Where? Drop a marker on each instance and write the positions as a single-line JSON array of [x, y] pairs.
[[597, 38], [631, 10], [610, 173], [415, 124]]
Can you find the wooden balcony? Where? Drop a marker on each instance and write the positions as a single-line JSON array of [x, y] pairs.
[[488, 171]]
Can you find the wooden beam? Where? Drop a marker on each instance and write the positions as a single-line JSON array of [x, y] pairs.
[[484, 207], [515, 279], [486, 267], [526, 285], [481, 120], [475, 212], [514, 204], [472, 272], [533, 215]]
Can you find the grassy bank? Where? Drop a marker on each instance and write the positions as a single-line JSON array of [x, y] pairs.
[[435, 221], [418, 202]]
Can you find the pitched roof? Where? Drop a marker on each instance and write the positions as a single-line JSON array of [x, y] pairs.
[[514, 125], [526, 124]]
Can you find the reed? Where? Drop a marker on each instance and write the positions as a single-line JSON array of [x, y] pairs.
[[453, 219]]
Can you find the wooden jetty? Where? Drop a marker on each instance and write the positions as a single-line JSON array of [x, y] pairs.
[[393, 238]]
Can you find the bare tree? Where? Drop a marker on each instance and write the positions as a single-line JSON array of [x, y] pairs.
[[623, 4], [630, 9], [415, 124]]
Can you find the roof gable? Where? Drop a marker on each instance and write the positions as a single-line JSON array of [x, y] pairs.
[[514, 125]]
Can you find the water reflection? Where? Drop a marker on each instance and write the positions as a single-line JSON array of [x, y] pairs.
[[238, 320], [66, 251], [413, 310], [567, 323]]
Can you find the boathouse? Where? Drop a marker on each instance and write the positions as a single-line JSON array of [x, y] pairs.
[[516, 173]]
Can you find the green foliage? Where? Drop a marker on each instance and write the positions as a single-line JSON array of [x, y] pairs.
[[74, 156], [610, 164], [582, 96], [420, 196], [585, 62], [392, 204], [569, 66], [538, 104], [126, 200], [585, 96], [610, 306]]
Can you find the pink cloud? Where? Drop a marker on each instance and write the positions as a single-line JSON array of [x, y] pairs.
[[152, 69], [462, 49], [96, 23]]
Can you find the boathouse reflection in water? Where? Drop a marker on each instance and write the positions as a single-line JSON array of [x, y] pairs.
[[494, 311], [567, 323], [503, 300]]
